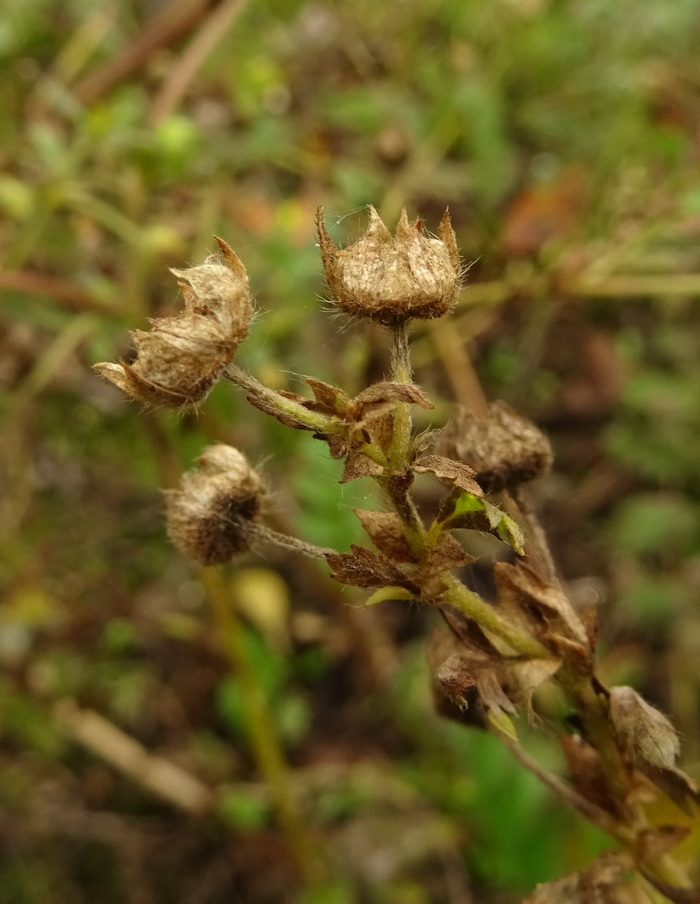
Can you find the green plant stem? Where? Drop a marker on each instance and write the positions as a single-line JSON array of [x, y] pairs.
[[395, 486], [488, 617], [264, 740], [400, 373], [312, 420]]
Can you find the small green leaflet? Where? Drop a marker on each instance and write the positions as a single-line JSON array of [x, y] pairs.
[[500, 524], [389, 593]]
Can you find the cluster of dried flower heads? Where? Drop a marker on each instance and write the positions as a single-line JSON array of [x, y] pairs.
[[495, 653]]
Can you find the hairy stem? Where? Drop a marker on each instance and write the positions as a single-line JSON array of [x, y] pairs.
[[269, 535], [313, 420], [400, 373]]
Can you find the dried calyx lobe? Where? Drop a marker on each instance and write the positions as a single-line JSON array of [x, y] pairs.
[[211, 515], [181, 358], [385, 277]]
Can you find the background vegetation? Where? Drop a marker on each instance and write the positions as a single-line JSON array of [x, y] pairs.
[[565, 137]]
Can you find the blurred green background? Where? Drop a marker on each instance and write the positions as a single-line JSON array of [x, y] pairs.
[[564, 135]]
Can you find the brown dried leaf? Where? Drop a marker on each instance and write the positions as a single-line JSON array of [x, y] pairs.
[[587, 772], [469, 634], [363, 568], [453, 680], [492, 693], [526, 590], [675, 784], [605, 881], [329, 399], [455, 666], [451, 473], [446, 555], [295, 397], [337, 445], [388, 391], [424, 441], [358, 465], [528, 675], [645, 734], [654, 843], [386, 531]]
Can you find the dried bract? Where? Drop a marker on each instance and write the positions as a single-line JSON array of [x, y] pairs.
[[182, 357], [645, 734], [504, 448], [210, 516], [384, 277]]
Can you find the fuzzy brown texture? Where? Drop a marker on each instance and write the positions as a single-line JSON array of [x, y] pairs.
[[209, 517], [181, 358], [384, 277], [645, 734], [504, 448]]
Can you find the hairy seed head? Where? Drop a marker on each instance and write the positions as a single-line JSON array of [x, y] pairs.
[[384, 277], [209, 517], [181, 358]]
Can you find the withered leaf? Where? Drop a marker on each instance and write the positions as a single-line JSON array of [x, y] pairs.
[[529, 591], [672, 892], [452, 679], [452, 473], [380, 422], [337, 445], [527, 675], [363, 568], [445, 555], [424, 441], [386, 531], [388, 391], [675, 784], [358, 465], [603, 882], [469, 634], [587, 772], [453, 665], [645, 734], [328, 398], [655, 842], [492, 693], [294, 397]]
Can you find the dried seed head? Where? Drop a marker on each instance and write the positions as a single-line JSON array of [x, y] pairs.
[[645, 734], [210, 516], [504, 448], [181, 358], [383, 276]]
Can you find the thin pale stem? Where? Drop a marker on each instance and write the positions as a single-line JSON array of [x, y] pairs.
[[269, 535], [264, 739], [593, 813]]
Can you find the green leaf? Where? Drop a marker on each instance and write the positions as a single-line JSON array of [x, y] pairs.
[[473, 513], [467, 502], [502, 723], [389, 593], [509, 531]]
